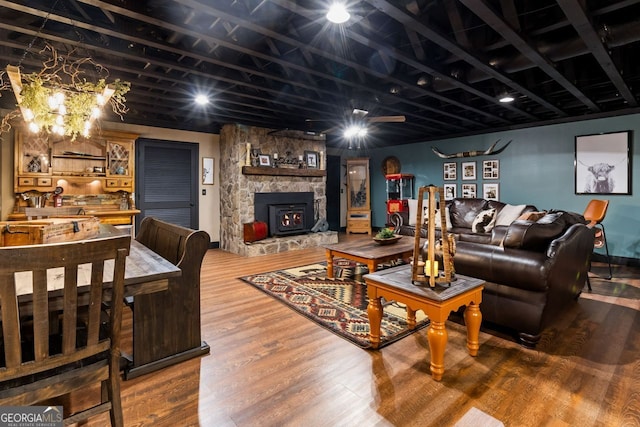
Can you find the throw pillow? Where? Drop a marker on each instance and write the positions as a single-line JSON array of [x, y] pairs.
[[532, 216], [438, 218], [413, 210], [509, 213], [484, 221], [446, 217]]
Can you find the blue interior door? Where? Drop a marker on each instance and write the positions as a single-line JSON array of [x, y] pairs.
[[167, 181]]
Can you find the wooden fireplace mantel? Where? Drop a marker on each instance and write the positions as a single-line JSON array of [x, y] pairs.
[[257, 170]]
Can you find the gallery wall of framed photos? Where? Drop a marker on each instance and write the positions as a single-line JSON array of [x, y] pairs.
[[469, 175]]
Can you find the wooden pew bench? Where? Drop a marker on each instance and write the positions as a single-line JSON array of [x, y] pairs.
[[166, 325]]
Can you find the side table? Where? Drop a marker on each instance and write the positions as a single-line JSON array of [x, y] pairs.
[[437, 303]]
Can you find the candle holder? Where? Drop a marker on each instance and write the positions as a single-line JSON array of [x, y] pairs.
[[430, 273]]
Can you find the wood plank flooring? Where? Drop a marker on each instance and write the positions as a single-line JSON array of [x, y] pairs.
[[272, 367]]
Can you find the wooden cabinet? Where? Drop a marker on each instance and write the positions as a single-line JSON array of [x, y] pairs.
[[95, 173], [101, 163], [358, 196]]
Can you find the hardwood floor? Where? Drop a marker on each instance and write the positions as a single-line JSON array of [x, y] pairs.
[[270, 366]]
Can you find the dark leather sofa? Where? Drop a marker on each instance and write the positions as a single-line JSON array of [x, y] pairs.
[[533, 268]]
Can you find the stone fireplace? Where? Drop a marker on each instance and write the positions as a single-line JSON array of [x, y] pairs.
[[241, 193]]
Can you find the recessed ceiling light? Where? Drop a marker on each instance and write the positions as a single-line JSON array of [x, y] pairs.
[[423, 80], [202, 99], [338, 13]]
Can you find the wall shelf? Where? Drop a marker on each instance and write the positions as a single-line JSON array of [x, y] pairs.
[[257, 170]]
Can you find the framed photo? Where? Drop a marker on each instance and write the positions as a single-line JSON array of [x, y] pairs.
[[469, 191], [450, 171], [603, 163], [264, 160], [311, 159], [491, 169], [491, 191], [450, 191], [468, 171], [207, 170]]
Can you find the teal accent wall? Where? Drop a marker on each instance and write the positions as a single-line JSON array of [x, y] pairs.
[[536, 168]]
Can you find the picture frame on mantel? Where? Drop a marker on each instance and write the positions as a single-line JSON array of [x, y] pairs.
[[207, 170], [311, 159], [603, 163], [264, 160]]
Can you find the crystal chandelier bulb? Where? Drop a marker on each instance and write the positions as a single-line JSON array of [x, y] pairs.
[[34, 127]]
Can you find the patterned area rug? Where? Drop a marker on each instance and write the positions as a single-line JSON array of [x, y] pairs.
[[339, 304]]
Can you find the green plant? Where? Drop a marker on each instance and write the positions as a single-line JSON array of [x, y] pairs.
[[385, 233]]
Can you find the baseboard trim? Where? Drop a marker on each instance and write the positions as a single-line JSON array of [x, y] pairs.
[[618, 260]]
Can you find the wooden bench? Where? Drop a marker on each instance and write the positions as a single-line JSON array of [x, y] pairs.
[[166, 325]]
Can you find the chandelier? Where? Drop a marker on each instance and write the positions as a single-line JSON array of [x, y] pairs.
[[59, 99]]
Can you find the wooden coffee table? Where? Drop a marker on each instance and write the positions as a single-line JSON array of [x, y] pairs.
[[369, 252], [394, 284]]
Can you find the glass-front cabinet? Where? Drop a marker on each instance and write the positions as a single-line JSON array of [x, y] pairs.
[[358, 196], [33, 161], [119, 165]]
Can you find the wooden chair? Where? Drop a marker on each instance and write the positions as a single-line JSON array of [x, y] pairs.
[[37, 362], [595, 212]]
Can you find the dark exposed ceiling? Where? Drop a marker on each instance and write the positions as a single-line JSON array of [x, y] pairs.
[[280, 64]]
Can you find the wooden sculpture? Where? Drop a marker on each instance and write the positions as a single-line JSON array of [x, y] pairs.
[[427, 271]]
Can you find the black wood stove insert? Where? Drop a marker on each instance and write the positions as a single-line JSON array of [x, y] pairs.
[[285, 213]]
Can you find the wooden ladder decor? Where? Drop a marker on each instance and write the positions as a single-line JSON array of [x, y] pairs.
[[426, 271]]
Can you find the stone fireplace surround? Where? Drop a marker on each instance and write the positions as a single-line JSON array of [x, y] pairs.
[[237, 190]]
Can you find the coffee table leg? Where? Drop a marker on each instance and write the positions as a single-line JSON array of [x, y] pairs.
[[374, 312], [411, 318], [473, 319], [372, 266], [437, 336], [329, 264]]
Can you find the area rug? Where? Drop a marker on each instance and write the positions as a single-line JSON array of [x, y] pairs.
[[339, 304]]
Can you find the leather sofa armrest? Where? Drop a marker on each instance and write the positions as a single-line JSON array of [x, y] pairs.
[[497, 234], [571, 233]]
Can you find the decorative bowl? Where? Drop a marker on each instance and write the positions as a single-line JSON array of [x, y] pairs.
[[387, 241]]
